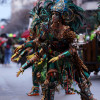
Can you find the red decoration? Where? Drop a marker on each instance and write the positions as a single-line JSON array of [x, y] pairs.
[[51, 74], [25, 34], [2, 40]]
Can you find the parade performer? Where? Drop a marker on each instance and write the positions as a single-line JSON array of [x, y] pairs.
[[55, 42], [25, 54], [34, 31]]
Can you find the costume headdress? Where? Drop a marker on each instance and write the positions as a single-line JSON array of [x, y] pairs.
[[41, 13], [70, 12]]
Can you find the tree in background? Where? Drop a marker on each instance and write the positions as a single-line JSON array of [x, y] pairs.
[[18, 22], [92, 20]]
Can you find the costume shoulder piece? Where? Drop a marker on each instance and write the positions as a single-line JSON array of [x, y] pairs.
[[69, 34]]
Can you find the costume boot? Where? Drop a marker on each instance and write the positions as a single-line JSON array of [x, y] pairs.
[[34, 91], [85, 90]]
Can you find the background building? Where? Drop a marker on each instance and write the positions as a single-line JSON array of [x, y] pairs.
[[90, 4], [78, 2], [21, 4], [87, 4]]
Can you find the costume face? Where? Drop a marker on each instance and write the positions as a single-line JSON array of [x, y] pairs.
[[55, 17]]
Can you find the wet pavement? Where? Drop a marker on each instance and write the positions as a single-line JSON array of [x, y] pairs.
[[13, 88]]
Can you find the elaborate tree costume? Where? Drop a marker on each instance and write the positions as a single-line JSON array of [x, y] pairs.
[[55, 59]]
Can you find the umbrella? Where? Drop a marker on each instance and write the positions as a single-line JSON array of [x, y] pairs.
[[25, 34]]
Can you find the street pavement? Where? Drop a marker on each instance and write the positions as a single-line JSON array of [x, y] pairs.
[[16, 88]]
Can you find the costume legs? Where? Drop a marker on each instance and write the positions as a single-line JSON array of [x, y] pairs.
[[84, 85], [35, 89]]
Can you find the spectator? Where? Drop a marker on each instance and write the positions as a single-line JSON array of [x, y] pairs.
[[8, 51], [1, 54]]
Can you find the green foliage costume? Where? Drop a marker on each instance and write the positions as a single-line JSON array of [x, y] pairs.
[[55, 59]]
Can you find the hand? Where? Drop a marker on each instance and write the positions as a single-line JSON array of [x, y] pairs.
[[46, 82], [54, 59], [20, 71], [38, 75], [13, 56], [18, 48], [41, 61], [43, 98], [16, 60]]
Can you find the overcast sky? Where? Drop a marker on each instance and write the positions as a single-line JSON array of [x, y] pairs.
[[5, 10]]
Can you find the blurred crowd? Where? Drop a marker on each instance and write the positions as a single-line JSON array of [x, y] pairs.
[[7, 46], [5, 50], [87, 37]]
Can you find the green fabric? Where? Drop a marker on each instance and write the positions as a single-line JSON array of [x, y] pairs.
[[43, 76], [33, 67], [77, 36], [92, 36], [28, 45], [87, 75], [51, 66], [35, 82], [50, 36], [68, 65], [67, 53], [99, 58]]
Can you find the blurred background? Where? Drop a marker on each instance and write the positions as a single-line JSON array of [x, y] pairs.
[[14, 29], [15, 19]]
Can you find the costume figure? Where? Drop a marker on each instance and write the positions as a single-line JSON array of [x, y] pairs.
[[54, 56], [25, 54]]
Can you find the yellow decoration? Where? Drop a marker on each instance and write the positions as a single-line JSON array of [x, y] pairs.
[[18, 48], [18, 73], [41, 61], [54, 59], [16, 60], [30, 56], [13, 56]]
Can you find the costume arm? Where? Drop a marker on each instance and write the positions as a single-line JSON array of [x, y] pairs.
[[65, 54], [27, 44], [15, 54], [18, 58], [21, 54], [42, 59]]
